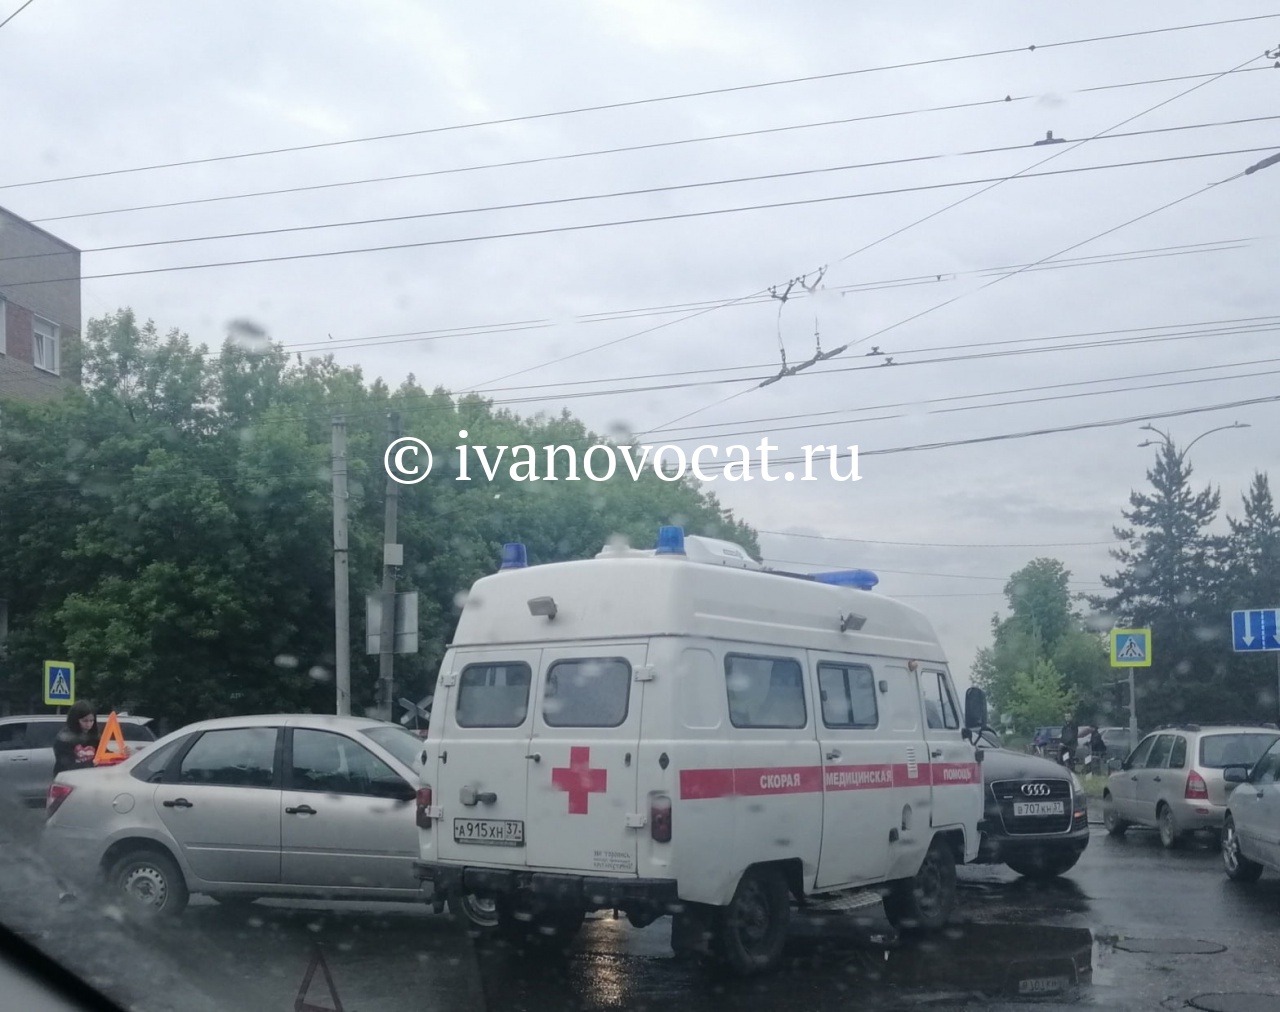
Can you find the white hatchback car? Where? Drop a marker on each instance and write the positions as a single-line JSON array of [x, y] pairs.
[[308, 806]]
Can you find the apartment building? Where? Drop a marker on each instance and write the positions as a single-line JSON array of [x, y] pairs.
[[39, 311]]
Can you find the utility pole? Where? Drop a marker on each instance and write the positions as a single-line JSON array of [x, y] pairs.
[[392, 559], [341, 585]]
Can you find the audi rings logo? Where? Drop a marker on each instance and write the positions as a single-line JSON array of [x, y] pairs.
[[407, 460], [1036, 790]]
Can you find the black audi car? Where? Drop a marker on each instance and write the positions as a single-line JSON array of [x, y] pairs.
[[1036, 817]]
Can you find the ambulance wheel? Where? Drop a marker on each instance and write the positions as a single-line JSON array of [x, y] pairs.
[[924, 902], [479, 913], [751, 931]]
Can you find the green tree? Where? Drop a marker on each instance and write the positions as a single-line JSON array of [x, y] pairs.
[[1043, 627], [1250, 580], [1167, 582], [1038, 697], [169, 527]]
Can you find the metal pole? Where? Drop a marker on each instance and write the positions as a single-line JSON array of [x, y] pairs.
[[387, 636], [1278, 685], [341, 584], [1133, 711]]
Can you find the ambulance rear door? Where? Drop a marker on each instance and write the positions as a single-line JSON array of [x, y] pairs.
[[584, 814], [481, 773]]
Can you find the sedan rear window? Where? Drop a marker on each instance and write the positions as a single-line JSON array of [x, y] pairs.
[[1220, 750]]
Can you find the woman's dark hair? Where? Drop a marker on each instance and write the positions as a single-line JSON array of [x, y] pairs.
[[80, 708]]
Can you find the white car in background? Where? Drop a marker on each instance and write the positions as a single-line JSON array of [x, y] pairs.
[[1251, 829], [309, 806]]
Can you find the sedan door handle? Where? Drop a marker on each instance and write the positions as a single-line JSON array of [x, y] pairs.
[[178, 803], [19, 758], [300, 810], [1156, 779]]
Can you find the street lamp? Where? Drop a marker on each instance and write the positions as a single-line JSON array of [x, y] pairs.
[[1165, 440]]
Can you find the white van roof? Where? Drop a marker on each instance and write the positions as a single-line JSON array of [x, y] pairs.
[[629, 594]]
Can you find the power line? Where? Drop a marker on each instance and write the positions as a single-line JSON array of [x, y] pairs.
[[16, 13], [1142, 388], [937, 544], [632, 103], [672, 188], [641, 312], [648, 220], [544, 159], [785, 371]]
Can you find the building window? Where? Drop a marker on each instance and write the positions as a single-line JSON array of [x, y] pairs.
[[44, 349]]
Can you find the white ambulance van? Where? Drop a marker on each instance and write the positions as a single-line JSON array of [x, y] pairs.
[[679, 731]]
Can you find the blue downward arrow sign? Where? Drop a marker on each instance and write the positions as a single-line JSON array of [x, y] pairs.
[[1270, 639]]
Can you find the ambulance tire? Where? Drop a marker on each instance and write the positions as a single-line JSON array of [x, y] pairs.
[[479, 914], [925, 901], [751, 931]]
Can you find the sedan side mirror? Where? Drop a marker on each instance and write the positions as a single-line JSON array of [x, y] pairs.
[[975, 708], [1115, 765], [1236, 774]]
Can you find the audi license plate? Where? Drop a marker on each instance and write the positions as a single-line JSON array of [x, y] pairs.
[[496, 832], [1037, 808]]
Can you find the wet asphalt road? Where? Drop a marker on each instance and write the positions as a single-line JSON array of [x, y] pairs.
[[1061, 945]]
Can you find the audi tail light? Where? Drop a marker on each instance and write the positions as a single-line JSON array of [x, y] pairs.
[[1197, 789], [660, 818], [424, 807], [58, 793]]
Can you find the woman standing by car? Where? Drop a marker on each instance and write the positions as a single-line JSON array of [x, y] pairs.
[[77, 743]]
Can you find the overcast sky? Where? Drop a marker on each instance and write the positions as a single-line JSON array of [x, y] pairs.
[[94, 87]]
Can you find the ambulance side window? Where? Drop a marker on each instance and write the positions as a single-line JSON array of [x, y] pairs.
[[848, 695], [595, 692], [939, 708], [765, 691], [494, 695]]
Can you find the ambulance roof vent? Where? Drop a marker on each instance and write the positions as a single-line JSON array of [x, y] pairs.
[[514, 556], [863, 579], [714, 552]]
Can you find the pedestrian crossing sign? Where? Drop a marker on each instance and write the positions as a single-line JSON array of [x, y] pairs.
[[59, 683], [1131, 648]]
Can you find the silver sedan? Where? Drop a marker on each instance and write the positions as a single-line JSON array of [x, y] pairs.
[[1251, 829], [308, 806]]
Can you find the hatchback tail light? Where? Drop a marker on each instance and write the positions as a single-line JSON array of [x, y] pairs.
[[660, 818], [58, 793], [1196, 787], [424, 807]]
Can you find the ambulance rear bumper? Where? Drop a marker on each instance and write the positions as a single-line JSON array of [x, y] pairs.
[[586, 891]]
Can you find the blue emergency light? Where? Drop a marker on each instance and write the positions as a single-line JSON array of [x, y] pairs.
[[863, 579], [670, 541], [514, 556]]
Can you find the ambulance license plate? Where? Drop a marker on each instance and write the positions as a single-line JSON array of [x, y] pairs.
[[1043, 985], [496, 832], [1037, 808]]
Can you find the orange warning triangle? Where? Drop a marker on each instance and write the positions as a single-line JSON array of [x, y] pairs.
[[106, 756], [303, 1003]]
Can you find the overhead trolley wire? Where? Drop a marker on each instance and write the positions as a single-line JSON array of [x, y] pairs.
[[633, 103]]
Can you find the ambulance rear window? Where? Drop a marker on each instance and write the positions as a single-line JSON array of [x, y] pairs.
[[494, 695], [765, 691], [593, 692]]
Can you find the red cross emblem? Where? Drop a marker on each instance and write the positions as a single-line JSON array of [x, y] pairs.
[[579, 779]]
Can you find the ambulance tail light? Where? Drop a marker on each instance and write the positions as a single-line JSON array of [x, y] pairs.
[[424, 807], [1197, 789], [660, 818]]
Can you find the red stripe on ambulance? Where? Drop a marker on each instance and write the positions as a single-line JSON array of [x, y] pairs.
[[696, 785]]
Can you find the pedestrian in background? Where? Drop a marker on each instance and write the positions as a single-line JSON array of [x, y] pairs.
[[77, 743]]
